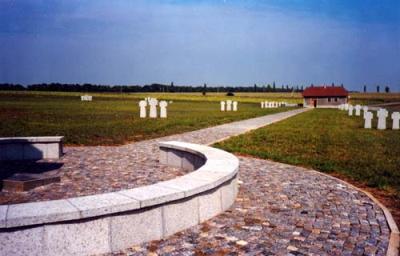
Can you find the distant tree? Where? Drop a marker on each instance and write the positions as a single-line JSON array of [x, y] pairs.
[[333, 84], [11, 87], [255, 87], [268, 87], [204, 89], [230, 93], [377, 88], [312, 85], [387, 89], [273, 86], [365, 88]]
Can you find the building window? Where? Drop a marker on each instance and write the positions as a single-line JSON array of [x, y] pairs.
[[329, 99], [335, 99]]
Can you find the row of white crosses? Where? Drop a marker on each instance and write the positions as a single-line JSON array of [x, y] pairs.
[[152, 102], [382, 114], [230, 105], [86, 98], [272, 104]]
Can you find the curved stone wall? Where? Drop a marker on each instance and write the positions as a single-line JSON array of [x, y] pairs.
[[112, 221]]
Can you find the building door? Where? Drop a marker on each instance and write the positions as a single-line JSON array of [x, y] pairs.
[[315, 103]]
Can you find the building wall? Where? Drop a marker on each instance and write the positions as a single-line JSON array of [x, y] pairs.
[[325, 101]]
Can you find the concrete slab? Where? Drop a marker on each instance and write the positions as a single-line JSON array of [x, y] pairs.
[[102, 204], [22, 242], [153, 194], [14, 151], [135, 228], [210, 205], [34, 151], [40, 212], [180, 215], [189, 185], [54, 151], [82, 238], [3, 215], [174, 158], [163, 155], [228, 194]]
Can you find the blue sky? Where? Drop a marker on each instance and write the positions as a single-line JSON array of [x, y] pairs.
[[231, 42]]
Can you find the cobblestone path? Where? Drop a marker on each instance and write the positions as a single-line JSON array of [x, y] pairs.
[[280, 209], [100, 169], [283, 210]]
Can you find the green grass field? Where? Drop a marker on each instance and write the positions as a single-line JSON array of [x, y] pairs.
[[330, 141], [113, 118]]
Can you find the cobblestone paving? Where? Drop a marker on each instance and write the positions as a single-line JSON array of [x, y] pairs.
[[283, 210], [92, 170], [280, 209]]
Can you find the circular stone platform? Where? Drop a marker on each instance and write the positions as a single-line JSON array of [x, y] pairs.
[[284, 210]]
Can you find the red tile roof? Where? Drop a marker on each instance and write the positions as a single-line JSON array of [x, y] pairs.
[[325, 91]]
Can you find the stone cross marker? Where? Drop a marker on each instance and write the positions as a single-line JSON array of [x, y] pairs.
[[153, 108], [262, 104], [358, 110], [163, 109], [142, 106], [396, 118], [86, 98], [368, 120], [382, 114], [365, 109], [350, 108], [235, 104], [228, 105], [222, 105]]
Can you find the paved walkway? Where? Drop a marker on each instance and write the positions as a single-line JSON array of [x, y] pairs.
[[280, 209], [100, 169], [284, 210]]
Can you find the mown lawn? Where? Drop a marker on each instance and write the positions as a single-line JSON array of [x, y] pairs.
[[330, 141], [110, 118]]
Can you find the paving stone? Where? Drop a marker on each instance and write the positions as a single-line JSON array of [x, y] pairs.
[[268, 185], [276, 203]]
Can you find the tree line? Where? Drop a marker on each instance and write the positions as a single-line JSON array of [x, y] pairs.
[[155, 87]]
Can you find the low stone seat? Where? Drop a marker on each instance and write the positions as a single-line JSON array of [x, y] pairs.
[[31, 148]]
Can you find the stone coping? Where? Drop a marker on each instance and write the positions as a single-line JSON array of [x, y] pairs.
[[42, 139], [219, 166]]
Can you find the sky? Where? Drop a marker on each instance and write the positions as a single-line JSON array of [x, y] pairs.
[[221, 42]]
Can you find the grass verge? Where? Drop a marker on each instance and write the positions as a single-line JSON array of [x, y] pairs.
[[330, 141], [109, 119]]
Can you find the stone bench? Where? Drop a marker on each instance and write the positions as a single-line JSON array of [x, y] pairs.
[[31, 148], [110, 222]]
